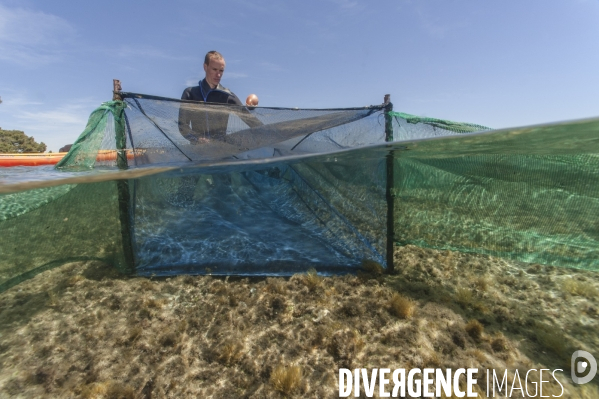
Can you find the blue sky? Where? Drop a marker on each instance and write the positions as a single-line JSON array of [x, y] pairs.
[[495, 63]]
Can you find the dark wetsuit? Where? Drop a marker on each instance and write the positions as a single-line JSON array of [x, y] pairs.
[[207, 122], [195, 122], [205, 93]]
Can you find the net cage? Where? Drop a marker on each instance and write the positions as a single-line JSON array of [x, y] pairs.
[[226, 190]]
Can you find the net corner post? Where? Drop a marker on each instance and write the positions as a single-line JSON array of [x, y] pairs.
[[123, 192], [389, 196], [116, 90]]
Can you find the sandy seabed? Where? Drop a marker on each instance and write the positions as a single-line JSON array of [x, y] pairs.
[[83, 331]]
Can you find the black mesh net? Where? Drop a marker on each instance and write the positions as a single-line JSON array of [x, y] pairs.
[[162, 130]]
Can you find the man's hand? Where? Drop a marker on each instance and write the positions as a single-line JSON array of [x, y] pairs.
[[251, 101]]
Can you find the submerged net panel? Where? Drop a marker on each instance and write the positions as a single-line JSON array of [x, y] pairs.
[[46, 227], [354, 189], [527, 194], [279, 220]]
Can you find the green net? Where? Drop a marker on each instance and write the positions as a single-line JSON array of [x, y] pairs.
[[443, 125], [99, 135], [487, 204], [56, 225], [528, 194]]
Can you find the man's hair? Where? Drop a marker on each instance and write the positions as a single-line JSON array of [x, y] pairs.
[[212, 54]]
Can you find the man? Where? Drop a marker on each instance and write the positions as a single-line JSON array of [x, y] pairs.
[[205, 123], [200, 124]]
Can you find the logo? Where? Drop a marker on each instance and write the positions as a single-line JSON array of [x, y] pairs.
[[579, 367]]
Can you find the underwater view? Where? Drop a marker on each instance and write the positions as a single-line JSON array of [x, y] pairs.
[[262, 277]]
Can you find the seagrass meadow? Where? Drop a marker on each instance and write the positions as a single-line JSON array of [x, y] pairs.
[[82, 330]]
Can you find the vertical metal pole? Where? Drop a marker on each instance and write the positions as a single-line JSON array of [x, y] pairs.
[[116, 90], [124, 196], [390, 183], [119, 125]]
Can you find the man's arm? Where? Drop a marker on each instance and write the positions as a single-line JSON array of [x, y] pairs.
[[244, 114]]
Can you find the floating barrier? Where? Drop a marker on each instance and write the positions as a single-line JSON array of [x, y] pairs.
[[10, 160]]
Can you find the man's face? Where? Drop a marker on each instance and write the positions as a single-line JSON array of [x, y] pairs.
[[214, 71]]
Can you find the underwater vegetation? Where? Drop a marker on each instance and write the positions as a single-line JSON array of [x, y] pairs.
[[84, 331], [580, 287], [474, 329], [401, 306], [286, 379]]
